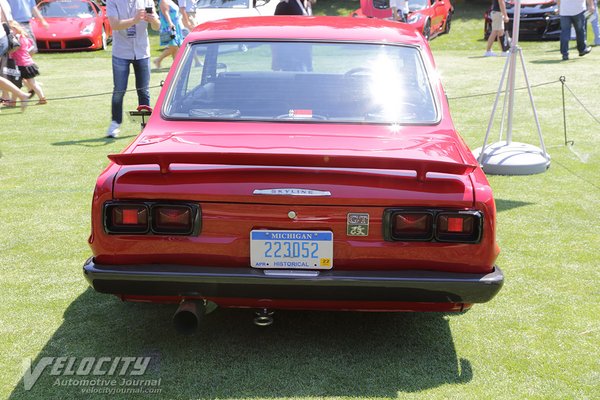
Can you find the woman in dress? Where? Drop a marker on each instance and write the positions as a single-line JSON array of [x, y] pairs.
[[170, 30]]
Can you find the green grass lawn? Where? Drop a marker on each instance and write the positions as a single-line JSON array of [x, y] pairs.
[[537, 339]]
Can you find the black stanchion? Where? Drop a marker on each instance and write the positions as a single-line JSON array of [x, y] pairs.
[[562, 80]]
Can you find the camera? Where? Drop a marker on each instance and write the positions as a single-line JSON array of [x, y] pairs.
[[149, 10]]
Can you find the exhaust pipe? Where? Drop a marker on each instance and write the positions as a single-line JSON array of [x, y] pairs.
[[188, 316], [264, 317]]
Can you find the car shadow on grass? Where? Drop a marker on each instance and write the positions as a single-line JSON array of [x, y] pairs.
[[94, 142], [505, 205], [303, 354]]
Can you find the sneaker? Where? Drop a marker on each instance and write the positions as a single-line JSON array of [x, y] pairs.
[[489, 54], [565, 57], [505, 53], [585, 51], [113, 130]]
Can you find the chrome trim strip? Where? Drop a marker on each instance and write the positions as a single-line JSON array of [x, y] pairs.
[[292, 192]]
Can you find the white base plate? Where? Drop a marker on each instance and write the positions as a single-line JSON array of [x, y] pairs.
[[515, 158]]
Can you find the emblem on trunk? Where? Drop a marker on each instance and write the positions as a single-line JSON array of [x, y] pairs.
[[291, 192], [357, 224]]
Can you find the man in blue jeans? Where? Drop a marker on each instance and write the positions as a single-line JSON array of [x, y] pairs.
[[572, 12], [129, 21]]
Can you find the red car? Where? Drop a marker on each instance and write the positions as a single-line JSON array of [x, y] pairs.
[[297, 163], [430, 17], [73, 25]]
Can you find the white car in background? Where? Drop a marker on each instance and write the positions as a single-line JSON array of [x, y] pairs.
[[210, 10]]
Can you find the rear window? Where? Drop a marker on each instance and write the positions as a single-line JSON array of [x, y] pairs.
[[290, 81]]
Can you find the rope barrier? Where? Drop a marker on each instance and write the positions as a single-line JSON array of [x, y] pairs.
[[561, 80], [82, 96], [470, 96], [581, 103], [99, 94]]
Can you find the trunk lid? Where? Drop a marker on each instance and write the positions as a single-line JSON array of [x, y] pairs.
[[320, 168]]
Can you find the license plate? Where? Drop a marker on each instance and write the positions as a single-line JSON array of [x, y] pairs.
[[291, 249]]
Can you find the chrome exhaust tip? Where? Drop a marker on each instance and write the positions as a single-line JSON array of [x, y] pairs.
[[263, 318]]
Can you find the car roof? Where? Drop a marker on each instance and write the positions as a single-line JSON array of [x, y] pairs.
[[309, 28]]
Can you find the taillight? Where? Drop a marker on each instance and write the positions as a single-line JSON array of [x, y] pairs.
[[152, 218], [172, 219], [410, 225], [126, 218], [432, 225], [459, 226]]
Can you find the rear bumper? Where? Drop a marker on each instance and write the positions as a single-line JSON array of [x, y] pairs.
[[250, 283]]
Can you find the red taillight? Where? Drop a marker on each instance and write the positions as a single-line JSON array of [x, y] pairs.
[[456, 224], [131, 216], [461, 226], [126, 218], [148, 217], [434, 225], [172, 219], [412, 225]]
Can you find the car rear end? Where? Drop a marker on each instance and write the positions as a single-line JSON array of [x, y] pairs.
[[305, 183]]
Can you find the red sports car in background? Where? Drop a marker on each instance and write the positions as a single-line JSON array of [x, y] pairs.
[[297, 163], [430, 17], [73, 25]]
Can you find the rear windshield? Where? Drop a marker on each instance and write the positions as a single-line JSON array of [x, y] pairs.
[[288, 81]]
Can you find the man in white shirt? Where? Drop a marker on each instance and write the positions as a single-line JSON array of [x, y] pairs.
[[129, 21], [187, 8], [295, 7], [572, 13], [399, 9]]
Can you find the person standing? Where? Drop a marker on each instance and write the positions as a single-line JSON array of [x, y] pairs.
[[7, 86], [170, 30], [399, 10], [129, 21], [572, 13], [28, 69], [499, 18], [595, 26], [295, 7], [23, 11], [187, 9], [299, 56]]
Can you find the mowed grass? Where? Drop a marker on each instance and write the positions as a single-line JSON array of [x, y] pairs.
[[537, 339]]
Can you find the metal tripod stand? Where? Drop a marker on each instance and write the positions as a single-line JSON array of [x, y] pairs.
[[508, 157]]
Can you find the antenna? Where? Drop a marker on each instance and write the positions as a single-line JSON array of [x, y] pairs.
[[508, 157]]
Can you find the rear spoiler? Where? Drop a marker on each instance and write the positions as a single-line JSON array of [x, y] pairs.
[[420, 166]]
